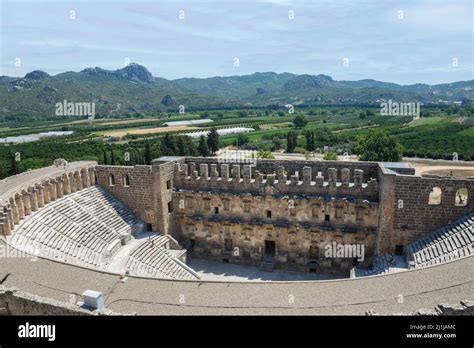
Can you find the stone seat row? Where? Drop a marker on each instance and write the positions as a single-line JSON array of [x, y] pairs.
[[68, 230], [106, 210], [35, 226], [449, 242], [101, 215], [152, 259], [102, 203], [52, 238], [27, 200], [465, 224], [162, 267], [438, 250], [55, 246], [453, 255], [72, 222]]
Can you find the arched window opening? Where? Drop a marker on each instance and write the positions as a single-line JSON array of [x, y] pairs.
[[435, 196], [461, 198], [126, 181], [111, 180]]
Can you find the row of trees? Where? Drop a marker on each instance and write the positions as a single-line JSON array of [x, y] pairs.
[[313, 139], [209, 144], [17, 158], [375, 145]]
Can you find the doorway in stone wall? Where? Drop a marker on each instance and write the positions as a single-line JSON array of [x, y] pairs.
[[313, 252], [228, 244], [313, 258], [399, 250], [270, 250]]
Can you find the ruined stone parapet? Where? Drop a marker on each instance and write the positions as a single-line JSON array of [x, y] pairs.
[[28, 199], [247, 174], [4, 227], [46, 193], [345, 177], [6, 223], [16, 302], [53, 193], [26, 202], [92, 178], [40, 195], [307, 177], [225, 172], [33, 199], [72, 183], [203, 173], [86, 181], [9, 218], [78, 180], [235, 173], [464, 308], [358, 177], [230, 179], [66, 184], [59, 187], [21, 207], [214, 173], [14, 208]]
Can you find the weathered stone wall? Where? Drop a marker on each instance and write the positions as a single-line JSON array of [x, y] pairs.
[[214, 224], [16, 302], [465, 307], [146, 190], [386, 211], [163, 184], [137, 195], [405, 213]]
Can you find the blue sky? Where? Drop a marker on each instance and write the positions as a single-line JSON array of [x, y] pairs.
[[418, 44]]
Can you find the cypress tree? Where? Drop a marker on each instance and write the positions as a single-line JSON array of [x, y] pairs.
[[112, 157], [148, 155], [213, 140], [202, 147], [104, 157], [290, 141], [310, 145]]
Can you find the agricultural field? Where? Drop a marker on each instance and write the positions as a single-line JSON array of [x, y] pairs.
[[438, 133], [140, 131]]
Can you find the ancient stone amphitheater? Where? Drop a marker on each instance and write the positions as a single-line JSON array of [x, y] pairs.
[[129, 232]]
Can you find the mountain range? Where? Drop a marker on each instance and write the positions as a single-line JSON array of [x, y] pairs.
[[134, 89]]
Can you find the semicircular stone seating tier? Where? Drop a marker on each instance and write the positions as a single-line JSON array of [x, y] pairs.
[[84, 228]]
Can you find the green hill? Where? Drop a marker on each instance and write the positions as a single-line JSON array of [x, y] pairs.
[[133, 89]]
